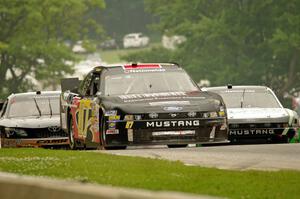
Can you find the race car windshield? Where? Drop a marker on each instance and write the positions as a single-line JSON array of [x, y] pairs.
[[26, 107], [137, 83], [249, 99]]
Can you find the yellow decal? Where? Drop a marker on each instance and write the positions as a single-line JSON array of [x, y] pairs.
[[83, 116], [129, 124], [114, 117], [222, 113]]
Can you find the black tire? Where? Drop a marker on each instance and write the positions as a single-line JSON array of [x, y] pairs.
[[103, 129], [177, 145], [72, 142], [102, 143]]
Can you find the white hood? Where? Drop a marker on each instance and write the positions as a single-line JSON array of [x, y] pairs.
[[258, 115], [31, 122]]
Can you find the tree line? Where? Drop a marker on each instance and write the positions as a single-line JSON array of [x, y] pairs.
[[228, 41], [232, 41]]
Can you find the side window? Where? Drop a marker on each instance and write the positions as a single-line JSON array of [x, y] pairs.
[[85, 85], [95, 85]]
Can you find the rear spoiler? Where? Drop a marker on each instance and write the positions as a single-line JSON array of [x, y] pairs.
[[71, 84]]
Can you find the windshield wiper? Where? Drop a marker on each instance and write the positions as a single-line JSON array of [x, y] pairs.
[[37, 107], [50, 107], [243, 97]]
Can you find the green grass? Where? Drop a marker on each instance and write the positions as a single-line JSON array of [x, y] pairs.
[[150, 174], [114, 56]]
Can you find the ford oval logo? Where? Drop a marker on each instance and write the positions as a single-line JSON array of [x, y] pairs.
[[172, 108]]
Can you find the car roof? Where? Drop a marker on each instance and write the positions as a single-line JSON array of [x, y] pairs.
[[137, 66], [32, 94]]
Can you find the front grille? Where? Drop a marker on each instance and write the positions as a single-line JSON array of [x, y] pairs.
[[257, 125], [169, 115], [38, 133], [146, 135]]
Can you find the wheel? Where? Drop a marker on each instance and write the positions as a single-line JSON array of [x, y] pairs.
[[103, 144], [177, 145], [102, 130], [72, 142]]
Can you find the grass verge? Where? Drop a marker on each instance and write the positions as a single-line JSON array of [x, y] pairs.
[[150, 174]]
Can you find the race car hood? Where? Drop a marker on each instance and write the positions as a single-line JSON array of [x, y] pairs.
[[258, 115], [32, 122], [164, 102]]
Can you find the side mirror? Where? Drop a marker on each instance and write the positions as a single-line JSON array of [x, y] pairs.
[[98, 94], [98, 97]]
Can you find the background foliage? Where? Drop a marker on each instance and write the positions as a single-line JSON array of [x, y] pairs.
[[32, 39], [233, 41]]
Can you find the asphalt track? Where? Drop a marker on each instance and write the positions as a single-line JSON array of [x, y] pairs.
[[238, 157]]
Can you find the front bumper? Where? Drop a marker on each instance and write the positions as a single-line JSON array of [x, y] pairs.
[[33, 142], [240, 134], [166, 131]]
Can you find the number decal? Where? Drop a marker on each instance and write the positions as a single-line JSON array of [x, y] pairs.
[[129, 124]]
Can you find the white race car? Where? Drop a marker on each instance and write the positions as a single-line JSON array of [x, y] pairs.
[[255, 114], [32, 120]]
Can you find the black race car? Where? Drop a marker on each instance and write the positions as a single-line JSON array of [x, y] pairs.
[[32, 120], [140, 104]]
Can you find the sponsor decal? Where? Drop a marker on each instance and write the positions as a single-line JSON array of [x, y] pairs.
[[145, 70], [112, 125], [177, 123], [112, 131], [173, 108], [151, 95], [212, 133], [114, 117], [110, 113], [130, 135], [252, 132], [58, 141], [141, 68], [166, 103], [162, 133]]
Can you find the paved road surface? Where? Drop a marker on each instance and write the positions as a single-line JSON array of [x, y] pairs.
[[240, 157]]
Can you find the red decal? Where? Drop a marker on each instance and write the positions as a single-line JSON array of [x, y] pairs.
[[141, 66]]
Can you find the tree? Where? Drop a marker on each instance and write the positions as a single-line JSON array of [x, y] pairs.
[[155, 54], [235, 41], [32, 39], [124, 16]]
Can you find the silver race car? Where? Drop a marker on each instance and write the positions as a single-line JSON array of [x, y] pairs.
[[255, 114], [31, 120]]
